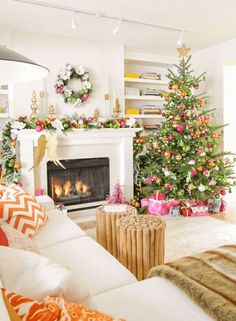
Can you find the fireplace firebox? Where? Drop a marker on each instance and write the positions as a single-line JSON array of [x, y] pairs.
[[83, 180]]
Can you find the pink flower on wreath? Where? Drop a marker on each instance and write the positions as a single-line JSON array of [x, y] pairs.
[[148, 180], [59, 89]]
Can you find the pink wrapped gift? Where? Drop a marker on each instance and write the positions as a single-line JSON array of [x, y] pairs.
[[161, 207], [145, 202], [157, 195], [199, 210]]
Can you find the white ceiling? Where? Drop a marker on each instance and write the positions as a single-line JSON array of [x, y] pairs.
[[207, 21]]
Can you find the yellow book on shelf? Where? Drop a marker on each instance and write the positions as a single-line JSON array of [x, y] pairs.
[[131, 75], [132, 111]]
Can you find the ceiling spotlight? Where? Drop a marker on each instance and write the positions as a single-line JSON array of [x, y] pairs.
[[98, 15], [179, 42], [116, 30], [74, 23]]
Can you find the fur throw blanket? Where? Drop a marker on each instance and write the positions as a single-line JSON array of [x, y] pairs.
[[209, 279]]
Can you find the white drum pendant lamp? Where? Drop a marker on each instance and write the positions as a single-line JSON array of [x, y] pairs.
[[16, 68]]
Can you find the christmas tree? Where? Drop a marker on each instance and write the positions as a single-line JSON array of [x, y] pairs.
[[117, 195], [184, 162]]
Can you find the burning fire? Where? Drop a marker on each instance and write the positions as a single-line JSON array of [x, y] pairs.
[[69, 189], [58, 190]]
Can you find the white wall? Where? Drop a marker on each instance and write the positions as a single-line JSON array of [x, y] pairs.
[[212, 60], [102, 60]]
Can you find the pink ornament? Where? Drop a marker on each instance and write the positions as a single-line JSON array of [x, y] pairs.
[[182, 106], [209, 145], [85, 96], [20, 184], [122, 123], [170, 188], [194, 172], [38, 128], [205, 172], [223, 192], [180, 128], [148, 180], [170, 138]]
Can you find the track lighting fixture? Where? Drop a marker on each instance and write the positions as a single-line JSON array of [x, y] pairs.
[[74, 23], [179, 42], [116, 30]]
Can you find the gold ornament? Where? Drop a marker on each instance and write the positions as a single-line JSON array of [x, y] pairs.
[[177, 118], [155, 145], [167, 154], [186, 148], [183, 51], [158, 180], [199, 168], [183, 94], [191, 187], [17, 165], [34, 106], [214, 135], [51, 111], [178, 157]]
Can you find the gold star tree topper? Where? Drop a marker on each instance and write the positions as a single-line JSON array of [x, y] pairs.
[[183, 51]]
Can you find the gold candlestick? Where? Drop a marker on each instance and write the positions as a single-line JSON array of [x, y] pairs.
[[116, 108], [34, 106], [51, 111]]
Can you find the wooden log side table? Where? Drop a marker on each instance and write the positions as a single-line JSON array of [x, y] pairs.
[[140, 243], [106, 226]]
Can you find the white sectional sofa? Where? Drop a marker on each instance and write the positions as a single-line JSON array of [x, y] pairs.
[[113, 289]]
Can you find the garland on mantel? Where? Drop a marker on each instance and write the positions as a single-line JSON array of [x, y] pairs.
[[10, 166]]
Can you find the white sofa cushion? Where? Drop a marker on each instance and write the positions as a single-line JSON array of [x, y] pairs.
[[99, 270], [155, 299], [3, 311], [36, 276], [57, 229]]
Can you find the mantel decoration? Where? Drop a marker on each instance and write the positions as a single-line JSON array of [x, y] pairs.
[[63, 85], [10, 166]]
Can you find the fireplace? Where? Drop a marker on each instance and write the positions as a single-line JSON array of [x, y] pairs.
[[83, 181]]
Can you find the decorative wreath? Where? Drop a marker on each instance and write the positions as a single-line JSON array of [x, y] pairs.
[[63, 80]]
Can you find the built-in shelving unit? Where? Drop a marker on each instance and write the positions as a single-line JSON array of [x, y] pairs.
[[148, 97], [146, 81], [139, 63]]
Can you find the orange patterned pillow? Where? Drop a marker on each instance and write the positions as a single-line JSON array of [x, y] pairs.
[[21, 210], [51, 309]]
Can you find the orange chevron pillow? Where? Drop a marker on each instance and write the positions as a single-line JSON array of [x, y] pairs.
[[50, 309], [21, 210]]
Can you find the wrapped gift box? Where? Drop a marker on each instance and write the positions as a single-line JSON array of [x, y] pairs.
[[214, 205], [199, 210]]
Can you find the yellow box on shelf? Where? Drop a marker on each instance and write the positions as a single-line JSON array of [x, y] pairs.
[[131, 75], [132, 111]]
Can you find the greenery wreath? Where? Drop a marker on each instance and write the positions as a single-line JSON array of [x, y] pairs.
[[62, 85]]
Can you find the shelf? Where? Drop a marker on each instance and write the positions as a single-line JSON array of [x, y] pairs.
[[146, 81], [4, 91], [145, 116], [144, 98], [4, 115]]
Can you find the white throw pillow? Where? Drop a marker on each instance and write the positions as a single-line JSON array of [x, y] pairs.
[[17, 239], [3, 311], [36, 276]]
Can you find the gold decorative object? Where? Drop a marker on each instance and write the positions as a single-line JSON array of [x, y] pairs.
[[116, 109], [34, 106], [106, 97], [96, 113], [41, 93], [51, 111], [183, 51]]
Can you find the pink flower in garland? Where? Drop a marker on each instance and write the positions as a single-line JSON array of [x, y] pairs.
[[59, 89]]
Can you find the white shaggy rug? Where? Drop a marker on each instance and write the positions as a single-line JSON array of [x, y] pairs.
[[191, 235]]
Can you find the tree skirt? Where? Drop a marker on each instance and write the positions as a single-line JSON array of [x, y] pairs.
[[190, 235]]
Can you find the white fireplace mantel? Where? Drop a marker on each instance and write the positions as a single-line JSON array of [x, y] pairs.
[[116, 144]]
